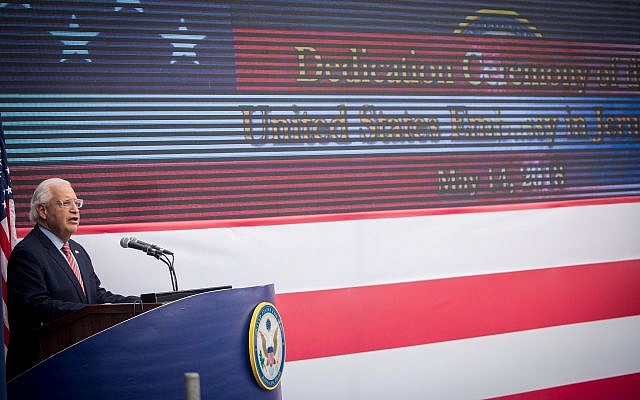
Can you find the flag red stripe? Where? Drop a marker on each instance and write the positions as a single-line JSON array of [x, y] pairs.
[[395, 37], [176, 187], [45, 171], [5, 242], [285, 86], [359, 319], [248, 210], [313, 165], [314, 204], [265, 178], [625, 387]]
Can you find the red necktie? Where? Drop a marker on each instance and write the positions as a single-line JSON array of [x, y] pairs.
[[72, 263]]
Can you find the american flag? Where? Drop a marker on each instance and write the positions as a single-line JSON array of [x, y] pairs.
[[8, 236]]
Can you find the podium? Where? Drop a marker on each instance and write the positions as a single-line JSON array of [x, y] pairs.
[[146, 356], [79, 325]]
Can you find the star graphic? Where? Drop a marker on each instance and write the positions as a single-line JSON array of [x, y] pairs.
[[183, 41], [74, 48]]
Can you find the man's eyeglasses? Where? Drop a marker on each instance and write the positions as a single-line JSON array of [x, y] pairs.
[[67, 203]]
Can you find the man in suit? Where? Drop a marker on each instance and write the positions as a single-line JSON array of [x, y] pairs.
[[49, 275]]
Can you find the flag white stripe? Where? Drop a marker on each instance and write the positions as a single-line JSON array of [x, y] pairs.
[[317, 256], [3, 261]]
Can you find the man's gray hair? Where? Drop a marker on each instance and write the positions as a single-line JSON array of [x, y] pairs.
[[43, 195]]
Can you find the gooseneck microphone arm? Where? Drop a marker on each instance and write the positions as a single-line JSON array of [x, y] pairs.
[[172, 272], [154, 251]]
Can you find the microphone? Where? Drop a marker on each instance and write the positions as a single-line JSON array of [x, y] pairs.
[[150, 249], [155, 251]]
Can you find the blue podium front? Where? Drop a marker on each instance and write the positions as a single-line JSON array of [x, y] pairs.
[[146, 356]]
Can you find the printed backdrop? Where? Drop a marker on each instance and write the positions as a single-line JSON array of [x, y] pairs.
[[445, 194]]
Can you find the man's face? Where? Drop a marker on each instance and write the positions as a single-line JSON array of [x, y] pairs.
[[63, 221]]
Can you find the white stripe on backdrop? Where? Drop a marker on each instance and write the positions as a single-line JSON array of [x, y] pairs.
[[354, 253], [477, 368]]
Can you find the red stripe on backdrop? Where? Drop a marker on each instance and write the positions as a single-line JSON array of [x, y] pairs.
[[395, 37], [359, 319], [625, 387], [285, 86], [289, 177], [47, 171]]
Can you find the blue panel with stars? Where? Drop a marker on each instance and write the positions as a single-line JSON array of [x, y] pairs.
[[123, 46]]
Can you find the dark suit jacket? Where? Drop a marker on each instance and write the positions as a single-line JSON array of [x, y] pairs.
[[41, 288]]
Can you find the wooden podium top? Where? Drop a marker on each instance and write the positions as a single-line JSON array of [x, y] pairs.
[[87, 321], [73, 327]]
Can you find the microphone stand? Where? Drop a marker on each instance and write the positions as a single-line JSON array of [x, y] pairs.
[[157, 253]]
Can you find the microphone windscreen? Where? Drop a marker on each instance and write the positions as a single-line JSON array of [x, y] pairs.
[[124, 242]]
